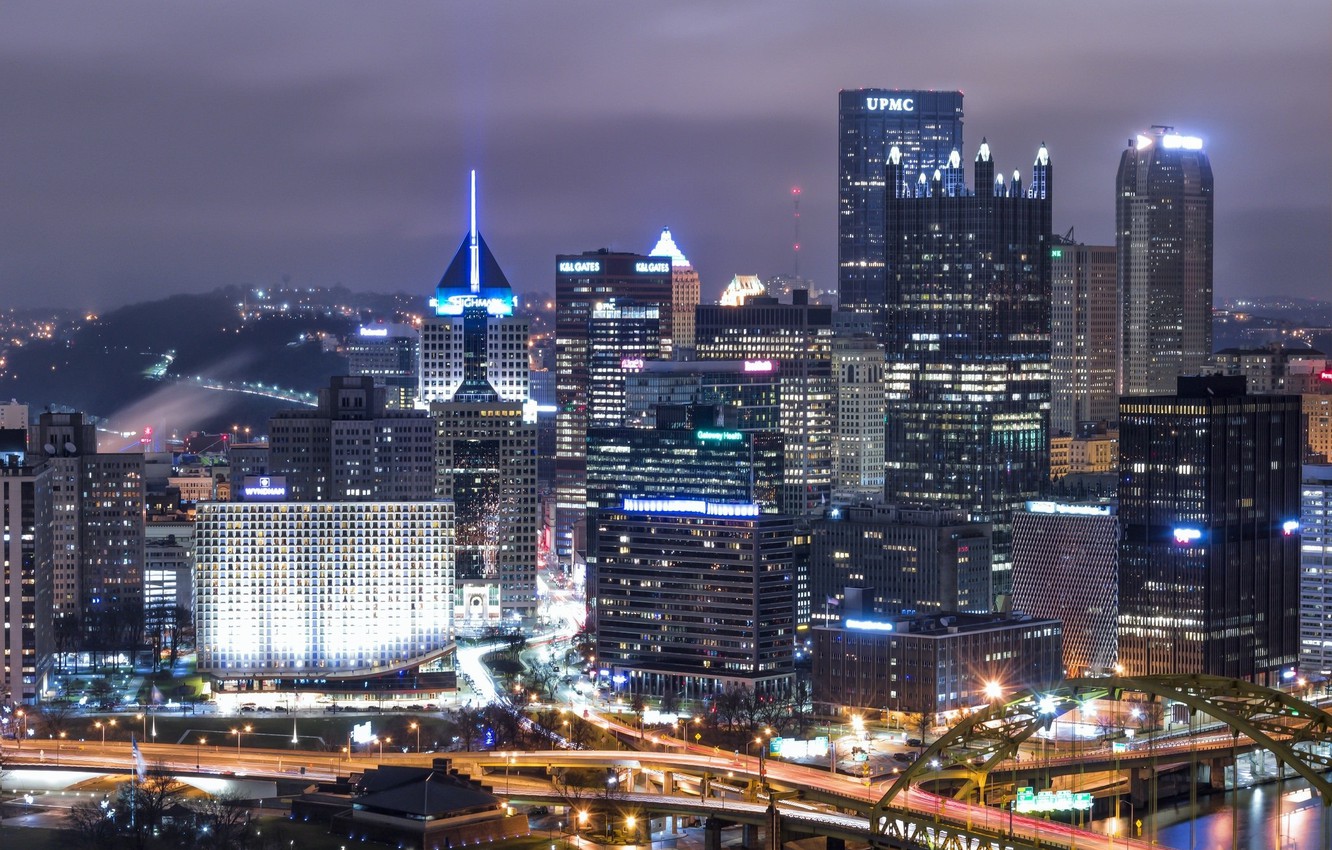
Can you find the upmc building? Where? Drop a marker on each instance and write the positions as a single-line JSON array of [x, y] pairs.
[[926, 126]]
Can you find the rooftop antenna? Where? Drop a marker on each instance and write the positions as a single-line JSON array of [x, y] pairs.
[[795, 227], [474, 247]]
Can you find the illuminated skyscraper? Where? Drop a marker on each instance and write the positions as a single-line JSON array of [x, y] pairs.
[[1163, 235], [967, 341], [925, 127], [473, 282], [582, 283], [485, 438], [26, 640], [1084, 336], [1209, 505]]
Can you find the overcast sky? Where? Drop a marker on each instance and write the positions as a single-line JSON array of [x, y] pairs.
[[152, 148]]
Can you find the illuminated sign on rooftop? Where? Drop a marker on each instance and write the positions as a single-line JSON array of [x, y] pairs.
[[1325, 375], [652, 267], [760, 366], [264, 488], [691, 506], [632, 364], [454, 305], [580, 266], [890, 104], [868, 625], [374, 331], [1071, 510], [719, 436], [1171, 141]]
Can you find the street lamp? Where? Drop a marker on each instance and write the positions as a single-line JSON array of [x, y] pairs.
[[238, 732], [416, 727], [144, 718], [100, 725], [197, 748]]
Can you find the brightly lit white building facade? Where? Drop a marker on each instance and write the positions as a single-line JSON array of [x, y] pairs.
[[290, 589]]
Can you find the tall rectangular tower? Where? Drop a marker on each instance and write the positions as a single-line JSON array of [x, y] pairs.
[[1163, 234], [798, 338], [582, 282], [1084, 335], [1209, 504], [925, 127], [1316, 570], [968, 341]]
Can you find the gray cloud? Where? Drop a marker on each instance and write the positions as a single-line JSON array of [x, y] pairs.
[[152, 148]]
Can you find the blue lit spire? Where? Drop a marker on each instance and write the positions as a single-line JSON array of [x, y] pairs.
[[474, 278]]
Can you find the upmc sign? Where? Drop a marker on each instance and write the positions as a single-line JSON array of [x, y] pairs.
[[890, 104]]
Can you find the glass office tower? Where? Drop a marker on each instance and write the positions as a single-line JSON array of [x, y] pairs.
[[925, 127], [967, 341]]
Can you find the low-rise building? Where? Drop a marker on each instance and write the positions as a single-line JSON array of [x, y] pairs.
[[933, 665]]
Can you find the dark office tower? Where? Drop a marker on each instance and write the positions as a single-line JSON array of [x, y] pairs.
[[110, 546], [26, 639], [1084, 337], [1163, 233], [968, 342], [900, 558], [925, 127], [486, 464], [694, 598], [582, 282], [353, 447], [798, 338], [1209, 504]]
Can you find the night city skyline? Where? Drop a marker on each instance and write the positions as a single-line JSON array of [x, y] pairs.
[[161, 150]]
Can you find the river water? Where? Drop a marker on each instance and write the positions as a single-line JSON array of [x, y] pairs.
[[1276, 816]]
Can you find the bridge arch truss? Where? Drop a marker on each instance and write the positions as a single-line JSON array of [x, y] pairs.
[[1283, 724]]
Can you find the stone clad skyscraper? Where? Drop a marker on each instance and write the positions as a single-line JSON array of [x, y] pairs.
[[1163, 234], [967, 340]]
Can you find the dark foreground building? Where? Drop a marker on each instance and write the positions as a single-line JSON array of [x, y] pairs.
[[1209, 505], [933, 665]]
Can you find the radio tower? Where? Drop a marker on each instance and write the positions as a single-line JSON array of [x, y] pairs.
[[795, 232]]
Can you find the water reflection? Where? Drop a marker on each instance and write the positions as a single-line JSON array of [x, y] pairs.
[[1285, 816]]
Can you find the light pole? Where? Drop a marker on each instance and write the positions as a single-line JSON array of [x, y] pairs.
[[238, 732], [102, 726], [197, 748], [59, 743], [416, 727], [21, 720], [144, 718]]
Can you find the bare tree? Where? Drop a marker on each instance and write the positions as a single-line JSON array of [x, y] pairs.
[[93, 825]]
